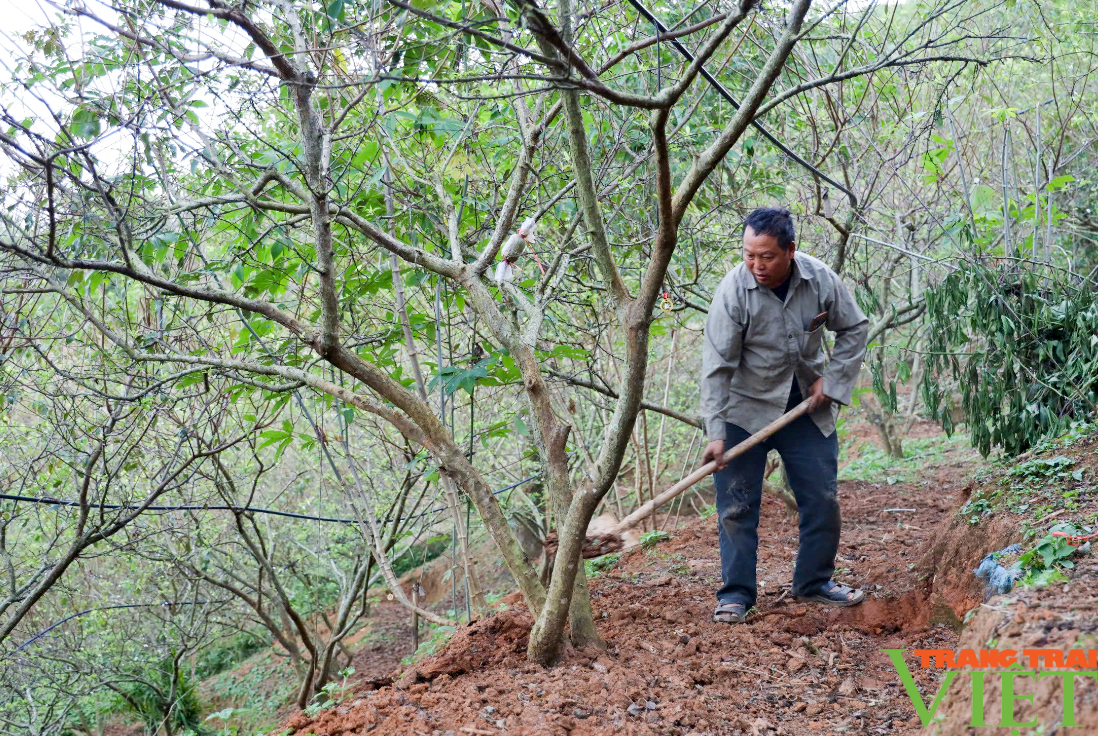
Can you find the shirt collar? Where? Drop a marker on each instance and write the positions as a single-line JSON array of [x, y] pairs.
[[799, 273], [795, 276]]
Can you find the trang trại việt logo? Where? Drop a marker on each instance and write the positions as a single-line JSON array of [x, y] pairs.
[[1006, 664]]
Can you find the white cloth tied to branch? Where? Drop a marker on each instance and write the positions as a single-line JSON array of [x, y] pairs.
[[513, 248]]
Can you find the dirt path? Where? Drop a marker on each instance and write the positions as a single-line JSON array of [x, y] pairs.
[[791, 669], [387, 639]]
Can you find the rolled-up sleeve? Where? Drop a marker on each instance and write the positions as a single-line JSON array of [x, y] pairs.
[[851, 327], [720, 358]]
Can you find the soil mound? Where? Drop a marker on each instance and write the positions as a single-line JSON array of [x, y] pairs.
[[792, 668], [485, 644], [1061, 618]]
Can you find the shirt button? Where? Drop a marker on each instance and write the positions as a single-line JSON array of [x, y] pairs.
[[790, 334]]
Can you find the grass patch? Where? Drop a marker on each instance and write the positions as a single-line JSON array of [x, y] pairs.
[[256, 694], [598, 565], [229, 651], [1043, 490], [437, 636], [650, 539], [875, 465]]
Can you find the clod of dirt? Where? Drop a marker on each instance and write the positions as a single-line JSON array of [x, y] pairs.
[[481, 645], [761, 726]]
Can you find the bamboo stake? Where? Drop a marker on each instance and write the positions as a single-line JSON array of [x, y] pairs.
[[648, 464], [415, 617], [666, 394], [1037, 186], [1048, 207], [637, 488], [1006, 194], [763, 434], [689, 452], [474, 599]]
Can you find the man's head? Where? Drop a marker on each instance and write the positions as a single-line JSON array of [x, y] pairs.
[[768, 245]]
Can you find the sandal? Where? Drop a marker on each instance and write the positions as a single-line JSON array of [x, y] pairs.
[[835, 594], [730, 613]]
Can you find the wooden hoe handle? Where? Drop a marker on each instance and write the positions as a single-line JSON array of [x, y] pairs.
[[646, 510]]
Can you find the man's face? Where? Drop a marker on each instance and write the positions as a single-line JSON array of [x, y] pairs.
[[767, 261]]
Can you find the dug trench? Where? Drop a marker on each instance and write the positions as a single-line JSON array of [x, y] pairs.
[[792, 668]]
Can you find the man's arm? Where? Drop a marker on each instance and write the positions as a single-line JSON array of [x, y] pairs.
[[851, 327], [720, 359]]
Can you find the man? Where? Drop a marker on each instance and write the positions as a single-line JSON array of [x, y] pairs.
[[764, 352]]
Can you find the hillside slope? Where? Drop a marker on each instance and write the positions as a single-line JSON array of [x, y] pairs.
[[793, 668]]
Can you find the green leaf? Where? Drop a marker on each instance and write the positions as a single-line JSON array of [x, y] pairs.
[[85, 122], [1060, 182]]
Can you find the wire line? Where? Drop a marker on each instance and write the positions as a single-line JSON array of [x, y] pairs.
[[661, 28], [208, 507]]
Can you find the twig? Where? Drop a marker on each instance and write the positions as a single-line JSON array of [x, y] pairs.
[[1046, 517]]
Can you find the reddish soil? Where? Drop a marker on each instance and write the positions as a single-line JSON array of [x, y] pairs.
[[792, 669], [1062, 619], [388, 638], [1057, 617]]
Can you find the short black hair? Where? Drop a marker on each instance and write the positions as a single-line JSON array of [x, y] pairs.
[[776, 221]]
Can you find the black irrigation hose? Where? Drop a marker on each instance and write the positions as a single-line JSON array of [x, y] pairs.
[[206, 507], [56, 502], [732, 101], [53, 626]]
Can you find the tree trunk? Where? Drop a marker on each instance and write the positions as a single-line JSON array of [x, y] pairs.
[[580, 617], [476, 597]]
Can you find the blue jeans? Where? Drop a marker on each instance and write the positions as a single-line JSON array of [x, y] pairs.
[[811, 461]]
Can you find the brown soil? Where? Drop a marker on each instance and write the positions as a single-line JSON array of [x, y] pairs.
[[792, 669], [122, 729], [385, 641], [1057, 617], [1061, 618]]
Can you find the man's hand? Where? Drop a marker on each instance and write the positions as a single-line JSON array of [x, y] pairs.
[[715, 451], [817, 399]]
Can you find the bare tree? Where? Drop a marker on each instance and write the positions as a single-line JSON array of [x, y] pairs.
[[318, 116]]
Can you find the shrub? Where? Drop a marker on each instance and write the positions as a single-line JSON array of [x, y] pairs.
[[1022, 349]]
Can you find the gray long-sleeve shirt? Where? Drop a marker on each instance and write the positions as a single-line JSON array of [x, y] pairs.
[[755, 345]]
